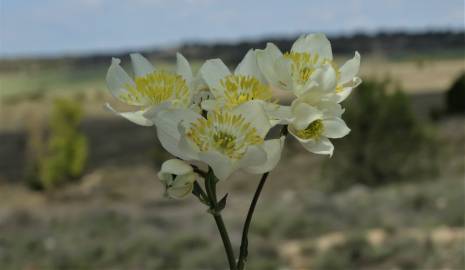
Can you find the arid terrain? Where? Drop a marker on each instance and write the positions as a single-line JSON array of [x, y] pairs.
[[116, 217]]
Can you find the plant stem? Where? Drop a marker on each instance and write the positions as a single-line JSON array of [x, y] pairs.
[[243, 252], [226, 242], [244, 242], [210, 187]]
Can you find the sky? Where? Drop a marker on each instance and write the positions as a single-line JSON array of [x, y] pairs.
[[56, 27]]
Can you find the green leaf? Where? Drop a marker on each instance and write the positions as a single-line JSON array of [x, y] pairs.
[[222, 203]]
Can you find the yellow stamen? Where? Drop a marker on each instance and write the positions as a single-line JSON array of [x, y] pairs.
[[157, 87], [225, 132], [241, 88], [303, 65], [312, 131]]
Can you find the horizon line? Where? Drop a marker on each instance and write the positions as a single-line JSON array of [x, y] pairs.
[[173, 45]]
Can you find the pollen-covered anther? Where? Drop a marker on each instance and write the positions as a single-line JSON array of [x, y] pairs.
[[312, 131], [225, 132], [157, 87], [302, 64], [243, 88]]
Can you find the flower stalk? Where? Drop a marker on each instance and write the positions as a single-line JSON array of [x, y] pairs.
[[215, 210], [243, 252]]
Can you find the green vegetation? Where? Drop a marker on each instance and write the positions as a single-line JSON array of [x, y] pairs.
[[455, 97], [65, 153], [156, 234], [381, 121], [33, 82]]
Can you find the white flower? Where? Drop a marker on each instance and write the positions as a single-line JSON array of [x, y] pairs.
[[151, 89], [313, 125], [178, 178], [309, 64], [247, 83], [232, 89], [226, 140]]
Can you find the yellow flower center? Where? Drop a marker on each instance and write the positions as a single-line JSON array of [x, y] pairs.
[[312, 131], [157, 87], [303, 65], [241, 88], [225, 132]]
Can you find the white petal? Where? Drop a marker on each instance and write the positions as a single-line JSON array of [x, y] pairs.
[[273, 150], [254, 113], [222, 166], [169, 141], [266, 61], [314, 43], [321, 146], [140, 65], [331, 109], [249, 66], [350, 69], [199, 84], [212, 72], [292, 130], [347, 89], [278, 114], [312, 96], [282, 67], [151, 113], [254, 156], [136, 117], [326, 78], [189, 150], [167, 122], [180, 189], [335, 128], [183, 68], [342, 95], [118, 80], [176, 166], [304, 115], [210, 105], [356, 82]]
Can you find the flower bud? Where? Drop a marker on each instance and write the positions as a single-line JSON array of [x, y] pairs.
[[178, 178]]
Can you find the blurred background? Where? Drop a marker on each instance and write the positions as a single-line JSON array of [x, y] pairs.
[[78, 185]]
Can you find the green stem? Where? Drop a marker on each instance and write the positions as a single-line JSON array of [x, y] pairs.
[[210, 187], [244, 242], [226, 242], [243, 252]]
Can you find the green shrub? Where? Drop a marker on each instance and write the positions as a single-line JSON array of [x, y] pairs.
[[455, 96], [387, 143], [65, 153]]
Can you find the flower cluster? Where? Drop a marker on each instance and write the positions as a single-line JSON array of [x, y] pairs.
[[223, 118]]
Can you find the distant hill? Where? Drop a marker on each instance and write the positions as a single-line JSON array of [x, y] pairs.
[[389, 44], [393, 44]]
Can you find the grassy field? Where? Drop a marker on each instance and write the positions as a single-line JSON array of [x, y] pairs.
[[115, 215]]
